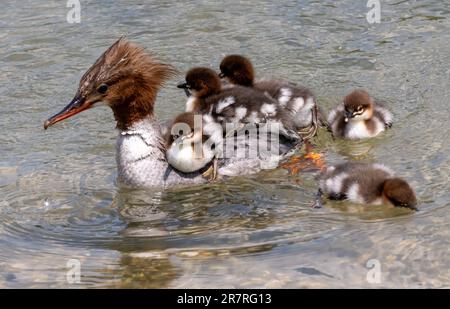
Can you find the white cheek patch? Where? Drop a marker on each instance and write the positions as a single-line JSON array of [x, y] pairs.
[[354, 195], [190, 104], [285, 96], [268, 110], [224, 103], [334, 184], [357, 118], [365, 115]]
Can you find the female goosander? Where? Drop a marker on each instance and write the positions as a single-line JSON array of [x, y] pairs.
[[358, 117], [235, 105], [299, 101], [127, 80], [366, 183]]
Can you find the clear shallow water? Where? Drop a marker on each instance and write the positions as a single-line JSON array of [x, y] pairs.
[[59, 200]]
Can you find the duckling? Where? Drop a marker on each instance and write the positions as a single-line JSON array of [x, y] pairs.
[[366, 183], [201, 83], [297, 100], [191, 142], [237, 105], [359, 116]]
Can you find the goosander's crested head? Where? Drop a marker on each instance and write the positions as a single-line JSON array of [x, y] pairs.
[[358, 105], [237, 70], [201, 82], [125, 78], [399, 193]]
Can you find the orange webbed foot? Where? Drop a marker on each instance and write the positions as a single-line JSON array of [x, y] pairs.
[[296, 164]]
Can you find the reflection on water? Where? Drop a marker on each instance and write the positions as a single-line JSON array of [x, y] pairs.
[[59, 199]]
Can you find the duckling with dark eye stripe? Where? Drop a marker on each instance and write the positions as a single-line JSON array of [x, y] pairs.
[[297, 100], [191, 142], [238, 105], [365, 183], [359, 116]]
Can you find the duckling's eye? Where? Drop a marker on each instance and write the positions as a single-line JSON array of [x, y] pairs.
[[102, 88], [360, 108]]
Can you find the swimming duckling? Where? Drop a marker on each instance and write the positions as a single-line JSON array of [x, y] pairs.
[[297, 100], [238, 105], [191, 142], [359, 116], [366, 183]]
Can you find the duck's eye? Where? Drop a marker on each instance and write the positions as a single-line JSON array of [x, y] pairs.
[[360, 108], [102, 88]]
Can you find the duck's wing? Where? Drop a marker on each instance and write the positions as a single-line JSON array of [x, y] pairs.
[[297, 100], [383, 114], [253, 148], [246, 105]]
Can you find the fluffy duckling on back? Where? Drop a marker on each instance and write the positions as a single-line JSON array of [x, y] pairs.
[[366, 183], [297, 100], [236, 105], [192, 141], [359, 116]]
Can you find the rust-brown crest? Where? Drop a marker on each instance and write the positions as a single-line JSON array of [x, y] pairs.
[[125, 78]]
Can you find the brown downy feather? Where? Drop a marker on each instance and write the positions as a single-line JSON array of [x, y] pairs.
[[204, 81], [399, 193], [238, 69], [358, 98]]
